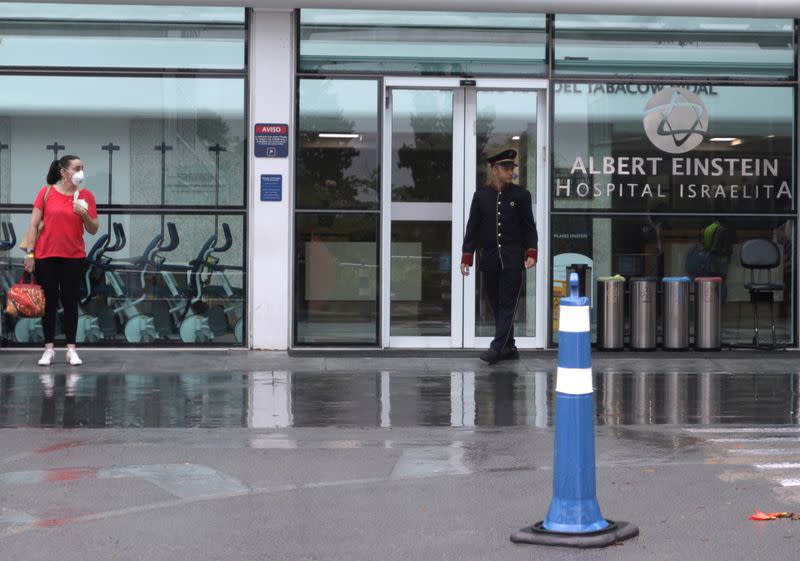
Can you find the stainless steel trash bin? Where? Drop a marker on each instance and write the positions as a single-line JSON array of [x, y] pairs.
[[611, 313], [643, 313], [676, 312], [708, 313]]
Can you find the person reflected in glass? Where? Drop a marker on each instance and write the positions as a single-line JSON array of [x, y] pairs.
[[65, 211], [502, 228], [718, 239]]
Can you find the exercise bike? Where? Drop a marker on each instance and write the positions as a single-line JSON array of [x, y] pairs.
[[232, 298], [137, 327], [95, 327], [186, 307]]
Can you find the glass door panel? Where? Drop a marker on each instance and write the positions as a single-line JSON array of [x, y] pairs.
[[421, 286], [506, 120], [421, 177], [437, 136]]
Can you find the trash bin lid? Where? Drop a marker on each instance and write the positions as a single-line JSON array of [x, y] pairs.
[[708, 279], [615, 278], [676, 279]]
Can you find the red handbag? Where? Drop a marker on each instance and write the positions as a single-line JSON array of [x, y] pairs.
[[25, 299]]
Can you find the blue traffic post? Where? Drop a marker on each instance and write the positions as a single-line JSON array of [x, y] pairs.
[[574, 517]]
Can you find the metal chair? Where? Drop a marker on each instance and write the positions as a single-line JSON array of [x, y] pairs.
[[760, 256]]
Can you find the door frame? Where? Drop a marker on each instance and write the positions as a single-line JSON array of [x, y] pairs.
[[463, 290]]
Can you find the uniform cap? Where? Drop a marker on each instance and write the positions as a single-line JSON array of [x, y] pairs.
[[504, 157]]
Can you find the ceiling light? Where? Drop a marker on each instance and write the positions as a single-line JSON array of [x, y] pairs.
[[717, 138], [338, 135], [736, 142], [515, 137]]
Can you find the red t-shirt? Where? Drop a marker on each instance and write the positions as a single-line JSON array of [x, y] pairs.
[[62, 234]]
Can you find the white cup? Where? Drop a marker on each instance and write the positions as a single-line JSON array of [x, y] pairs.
[[82, 203]]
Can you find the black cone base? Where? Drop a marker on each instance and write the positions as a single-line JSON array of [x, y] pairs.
[[615, 532]]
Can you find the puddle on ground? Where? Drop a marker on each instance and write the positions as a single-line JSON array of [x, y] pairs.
[[381, 399]]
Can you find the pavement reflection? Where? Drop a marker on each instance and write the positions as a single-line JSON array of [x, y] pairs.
[[277, 399]]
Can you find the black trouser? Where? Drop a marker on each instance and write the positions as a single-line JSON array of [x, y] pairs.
[[502, 289], [61, 279]]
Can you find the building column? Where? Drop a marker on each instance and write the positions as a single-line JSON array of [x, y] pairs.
[[272, 85]]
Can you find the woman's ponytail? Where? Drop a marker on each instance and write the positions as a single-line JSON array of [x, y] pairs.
[[54, 173]]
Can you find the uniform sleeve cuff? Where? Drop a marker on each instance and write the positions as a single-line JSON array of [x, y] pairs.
[[533, 253], [466, 259]]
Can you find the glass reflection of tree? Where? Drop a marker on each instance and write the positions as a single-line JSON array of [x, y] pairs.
[[484, 127], [324, 164], [429, 157]]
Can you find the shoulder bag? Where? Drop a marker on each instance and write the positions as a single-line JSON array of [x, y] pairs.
[[25, 299]]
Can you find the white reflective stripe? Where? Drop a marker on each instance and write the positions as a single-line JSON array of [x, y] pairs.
[[760, 439], [575, 381], [763, 451], [763, 430], [784, 465], [574, 319]]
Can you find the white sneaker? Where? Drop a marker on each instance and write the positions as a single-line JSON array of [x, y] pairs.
[[73, 358], [47, 357]]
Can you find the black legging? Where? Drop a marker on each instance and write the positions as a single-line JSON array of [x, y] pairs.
[[61, 279]]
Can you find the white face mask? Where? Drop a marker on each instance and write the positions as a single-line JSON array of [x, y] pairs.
[[77, 178]]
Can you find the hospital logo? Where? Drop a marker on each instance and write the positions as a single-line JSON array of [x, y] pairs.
[[675, 120]]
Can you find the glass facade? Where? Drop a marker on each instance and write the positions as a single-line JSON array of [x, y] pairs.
[[165, 158], [654, 180], [82, 36], [670, 142], [673, 144], [150, 141], [336, 254], [338, 145], [650, 147], [673, 46], [658, 246], [336, 279], [440, 43]]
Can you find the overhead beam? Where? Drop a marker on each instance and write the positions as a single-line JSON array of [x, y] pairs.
[[717, 8]]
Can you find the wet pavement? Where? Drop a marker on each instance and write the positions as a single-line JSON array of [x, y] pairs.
[[244, 455], [385, 399]]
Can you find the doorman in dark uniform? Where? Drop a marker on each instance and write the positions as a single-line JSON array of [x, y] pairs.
[[502, 228]]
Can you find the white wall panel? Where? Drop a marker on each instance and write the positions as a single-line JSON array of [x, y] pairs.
[[272, 54]]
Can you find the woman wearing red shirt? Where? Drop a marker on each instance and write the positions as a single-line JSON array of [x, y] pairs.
[[59, 252]]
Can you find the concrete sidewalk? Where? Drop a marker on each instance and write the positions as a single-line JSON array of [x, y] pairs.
[[98, 360], [381, 494], [225, 360], [348, 473]]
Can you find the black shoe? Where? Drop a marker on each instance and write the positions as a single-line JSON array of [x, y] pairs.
[[509, 353], [491, 356]]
